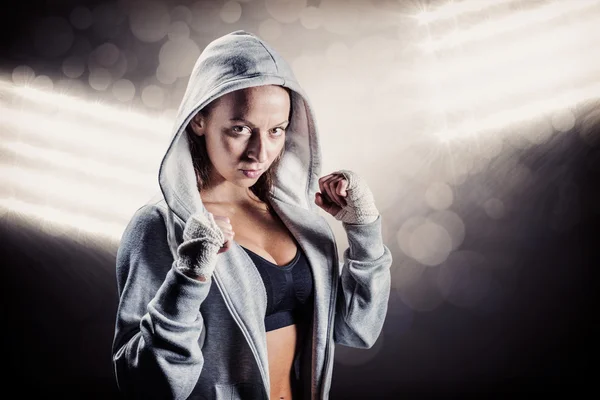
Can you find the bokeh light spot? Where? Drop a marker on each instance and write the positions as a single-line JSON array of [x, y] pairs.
[[43, 83], [270, 30], [108, 18], [452, 223], [177, 58], [123, 90], [106, 54], [149, 20], [181, 14], [73, 67], [430, 244], [563, 120], [81, 17], [439, 196], [310, 17], [404, 234], [163, 75], [494, 208], [179, 30], [285, 11], [23, 75], [231, 12], [153, 96], [204, 15], [53, 37], [100, 78]]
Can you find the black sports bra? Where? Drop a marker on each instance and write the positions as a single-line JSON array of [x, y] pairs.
[[289, 289]]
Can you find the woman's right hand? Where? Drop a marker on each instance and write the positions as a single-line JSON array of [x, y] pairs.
[[204, 237], [224, 225]]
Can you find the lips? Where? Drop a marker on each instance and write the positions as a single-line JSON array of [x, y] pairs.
[[251, 173]]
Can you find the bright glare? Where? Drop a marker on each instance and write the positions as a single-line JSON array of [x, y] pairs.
[[76, 162], [454, 9], [523, 113], [94, 169], [512, 22], [93, 109], [61, 217]]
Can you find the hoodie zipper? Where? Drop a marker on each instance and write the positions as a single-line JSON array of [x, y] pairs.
[[246, 335], [327, 361], [334, 285]]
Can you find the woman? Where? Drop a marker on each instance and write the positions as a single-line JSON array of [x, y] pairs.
[[204, 316]]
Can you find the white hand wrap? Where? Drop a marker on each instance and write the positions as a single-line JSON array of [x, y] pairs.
[[202, 239], [360, 205]]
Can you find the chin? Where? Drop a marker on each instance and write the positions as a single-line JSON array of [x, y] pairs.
[[244, 182]]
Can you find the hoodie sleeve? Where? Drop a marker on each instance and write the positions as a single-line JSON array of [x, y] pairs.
[[364, 286], [156, 351]]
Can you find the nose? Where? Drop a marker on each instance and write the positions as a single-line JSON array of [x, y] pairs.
[[257, 148]]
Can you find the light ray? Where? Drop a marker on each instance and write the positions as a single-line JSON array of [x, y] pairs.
[[77, 221], [524, 113], [64, 191], [84, 139], [512, 22], [104, 112], [456, 8], [88, 166]]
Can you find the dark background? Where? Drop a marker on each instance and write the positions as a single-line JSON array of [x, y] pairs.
[[60, 295]]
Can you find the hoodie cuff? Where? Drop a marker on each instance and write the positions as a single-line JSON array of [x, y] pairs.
[[179, 297], [365, 241]]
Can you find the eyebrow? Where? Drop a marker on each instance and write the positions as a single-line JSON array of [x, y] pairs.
[[250, 123]]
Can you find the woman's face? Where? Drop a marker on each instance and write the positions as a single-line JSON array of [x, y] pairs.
[[244, 130]]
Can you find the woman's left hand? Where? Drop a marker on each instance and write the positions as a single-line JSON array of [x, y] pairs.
[[332, 197], [347, 197]]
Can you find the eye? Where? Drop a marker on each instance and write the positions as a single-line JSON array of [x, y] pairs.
[[240, 129], [281, 131]]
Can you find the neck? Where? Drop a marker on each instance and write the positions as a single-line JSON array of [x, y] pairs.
[[226, 193]]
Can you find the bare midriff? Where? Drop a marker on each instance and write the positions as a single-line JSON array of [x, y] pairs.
[[266, 235]]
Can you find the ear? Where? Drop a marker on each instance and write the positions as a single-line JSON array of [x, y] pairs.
[[198, 124]]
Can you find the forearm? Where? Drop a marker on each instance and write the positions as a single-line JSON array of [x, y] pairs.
[[160, 330], [163, 354], [364, 286]]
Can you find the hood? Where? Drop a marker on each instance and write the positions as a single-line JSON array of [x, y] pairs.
[[235, 61]]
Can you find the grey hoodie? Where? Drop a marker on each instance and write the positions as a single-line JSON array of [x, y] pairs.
[[177, 337]]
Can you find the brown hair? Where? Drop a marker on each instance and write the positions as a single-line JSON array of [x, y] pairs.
[[202, 165]]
